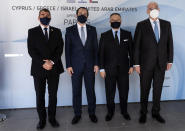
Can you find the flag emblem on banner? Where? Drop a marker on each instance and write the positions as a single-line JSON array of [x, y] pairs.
[[82, 1]]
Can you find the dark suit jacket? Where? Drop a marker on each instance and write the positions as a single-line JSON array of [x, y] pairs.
[[76, 54], [111, 55], [39, 49], [147, 52]]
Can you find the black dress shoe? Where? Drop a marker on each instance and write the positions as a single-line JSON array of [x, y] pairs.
[[142, 119], [93, 118], [41, 125], [54, 123], [76, 119], [108, 117], [127, 116], [158, 117]]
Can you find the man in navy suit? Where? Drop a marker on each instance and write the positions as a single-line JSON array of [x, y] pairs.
[[81, 51]]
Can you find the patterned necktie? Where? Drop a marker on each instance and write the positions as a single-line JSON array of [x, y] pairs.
[[46, 33], [116, 38], [156, 31], [83, 35]]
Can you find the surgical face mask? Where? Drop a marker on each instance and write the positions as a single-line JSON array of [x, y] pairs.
[[154, 13], [115, 25], [82, 19], [45, 20]]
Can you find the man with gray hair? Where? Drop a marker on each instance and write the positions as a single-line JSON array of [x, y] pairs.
[[153, 54]]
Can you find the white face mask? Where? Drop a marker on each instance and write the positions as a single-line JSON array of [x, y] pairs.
[[154, 13]]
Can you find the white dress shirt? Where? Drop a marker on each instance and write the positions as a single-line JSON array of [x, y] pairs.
[[85, 30], [42, 27]]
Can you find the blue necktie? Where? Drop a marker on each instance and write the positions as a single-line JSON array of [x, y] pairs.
[[116, 38], [156, 31], [46, 34], [83, 36]]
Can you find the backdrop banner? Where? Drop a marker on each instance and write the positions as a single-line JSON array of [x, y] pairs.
[[17, 16]]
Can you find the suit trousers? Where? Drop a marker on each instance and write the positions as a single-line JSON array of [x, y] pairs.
[[146, 77], [40, 87], [116, 75], [89, 79]]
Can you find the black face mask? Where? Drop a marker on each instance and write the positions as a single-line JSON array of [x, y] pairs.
[[82, 19], [45, 20], [115, 25]]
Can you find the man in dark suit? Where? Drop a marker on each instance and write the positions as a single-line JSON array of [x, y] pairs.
[[81, 51], [153, 54], [115, 56], [45, 46]]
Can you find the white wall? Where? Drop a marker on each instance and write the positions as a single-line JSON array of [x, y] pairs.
[[16, 84]]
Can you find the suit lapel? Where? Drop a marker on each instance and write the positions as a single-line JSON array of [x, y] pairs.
[[41, 33], [161, 29], [50, 43], [88, 34], [149, 26], [122, 36], [43, 43], [111, 37], [51, 31], [76, 33]]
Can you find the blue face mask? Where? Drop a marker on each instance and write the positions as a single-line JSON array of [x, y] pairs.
[[82, 19], [45, 20]]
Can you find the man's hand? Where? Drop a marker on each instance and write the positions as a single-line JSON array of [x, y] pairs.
[[131, 70], [70, 71], [48, 65], [137, 69], [96, 69], [169, 65], [103, 74]]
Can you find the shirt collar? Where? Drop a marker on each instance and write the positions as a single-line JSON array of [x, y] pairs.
[[79, 26], [152, 21], [44, 27], [115, 31]]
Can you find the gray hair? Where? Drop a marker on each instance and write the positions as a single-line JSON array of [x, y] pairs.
[[153, 2]]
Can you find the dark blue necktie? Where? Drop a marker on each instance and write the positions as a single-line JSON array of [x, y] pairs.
[[116, 38], [46, 33]]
